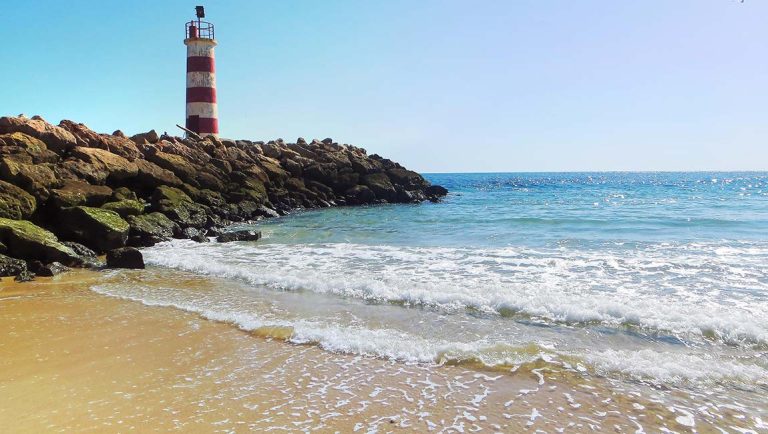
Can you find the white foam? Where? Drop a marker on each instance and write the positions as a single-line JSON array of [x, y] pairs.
[[666, 367], [671, 289]]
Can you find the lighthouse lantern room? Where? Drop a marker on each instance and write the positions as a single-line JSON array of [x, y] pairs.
[[202, 114]]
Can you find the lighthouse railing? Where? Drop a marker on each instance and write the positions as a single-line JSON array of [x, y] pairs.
[[199, 29]]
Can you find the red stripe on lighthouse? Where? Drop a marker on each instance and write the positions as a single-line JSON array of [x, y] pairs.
[[201, 94], [208, 125], [200, 64]]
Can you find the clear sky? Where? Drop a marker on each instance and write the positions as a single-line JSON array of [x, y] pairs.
[[439, 85]]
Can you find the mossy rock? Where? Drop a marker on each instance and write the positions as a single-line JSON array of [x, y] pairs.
[[15, 203], [179, 207], [125, 207], [152, 228], [31, 242], [99, 229]]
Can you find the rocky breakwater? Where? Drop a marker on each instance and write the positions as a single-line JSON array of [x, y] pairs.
[[68, 193]]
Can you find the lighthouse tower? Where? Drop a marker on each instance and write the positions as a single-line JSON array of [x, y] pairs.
[[202, 114]]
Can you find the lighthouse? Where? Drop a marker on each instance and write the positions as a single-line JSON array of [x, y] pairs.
[[202, 114]]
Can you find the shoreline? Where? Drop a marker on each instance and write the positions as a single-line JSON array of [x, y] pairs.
[[75, 359]]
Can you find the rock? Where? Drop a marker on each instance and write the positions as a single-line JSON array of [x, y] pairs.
[[47, 270], [115, 144], [150, 229], [125, 207], [34, 178], [16, 143], [74, 193], [80, 249], [435, 191], [11, 266], [15, 203], [97, 228], [30, 242], [56, 138], [244, 235], [200, 238], [151, 176], [24, 276], [125, 257], [381, 186], [175, 163], [407, 179], [179, 207], [116, 167], [360, 195], [327, 141], [148, 137], [123, 193]]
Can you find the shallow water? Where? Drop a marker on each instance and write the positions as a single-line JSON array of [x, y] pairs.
[[655, 280]]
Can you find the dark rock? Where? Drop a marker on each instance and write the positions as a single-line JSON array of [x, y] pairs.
[[11, 266], [125, 257], [360, 195], [200, 238], [80, 249], [381, 186], [47, 270], [24, 276], [243, 235], [435, 191], [150, 229]]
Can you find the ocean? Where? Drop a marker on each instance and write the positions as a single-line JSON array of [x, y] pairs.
[[655, 282]]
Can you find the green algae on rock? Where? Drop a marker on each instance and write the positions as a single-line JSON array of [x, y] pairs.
[[29, 242], [97, 228]]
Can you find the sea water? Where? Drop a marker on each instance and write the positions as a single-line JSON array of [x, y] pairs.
[[658, 279]]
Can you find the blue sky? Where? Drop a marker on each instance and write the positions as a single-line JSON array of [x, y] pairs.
[[439, 85]]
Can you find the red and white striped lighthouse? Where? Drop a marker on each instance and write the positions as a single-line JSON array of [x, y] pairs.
[[202, 114]]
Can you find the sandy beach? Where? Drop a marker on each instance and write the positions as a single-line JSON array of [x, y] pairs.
[[73, 360]]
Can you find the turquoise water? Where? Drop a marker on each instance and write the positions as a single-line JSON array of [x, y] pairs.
[[657, 278]]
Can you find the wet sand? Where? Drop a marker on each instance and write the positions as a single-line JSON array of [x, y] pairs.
[[72, 360]]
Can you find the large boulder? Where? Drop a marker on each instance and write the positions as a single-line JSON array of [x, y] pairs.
[[359, 195], [56, 138], [97, 228], [15, 203], [149, 229], [125, 257], [30, 242], [407, 179], [11, 266], [74, 193], [179, 207]]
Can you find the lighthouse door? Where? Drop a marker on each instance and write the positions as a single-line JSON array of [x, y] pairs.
[[193, 123]]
